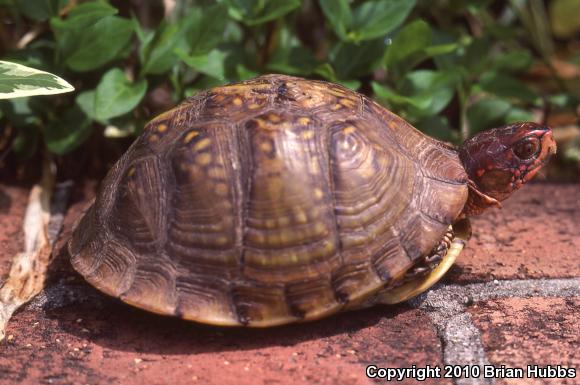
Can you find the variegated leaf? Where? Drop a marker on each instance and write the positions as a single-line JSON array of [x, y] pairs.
[[17, 81]]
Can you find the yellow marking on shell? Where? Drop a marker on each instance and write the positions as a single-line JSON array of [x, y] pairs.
[[270, 223], [221, 241], [202, 144], [168, 114], [347, 102], [238, 101], [275, 188], [216, 172], [162, 127], [221, 189], [219, 98], [153, 138], [286, 237], [260, 122], [193, 170], [303, 121], [308, 134], [203, 159], [253, 106], [336, 92], [190, 136], [336, 107], [367, 172], [349, 130], [284, 221], [300, 216], [273, 118], [314, 166], [329, 247], [319, 228], [318, 193], [131, 172], [266, 146]]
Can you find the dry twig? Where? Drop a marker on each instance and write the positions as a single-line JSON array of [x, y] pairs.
[[28, 270]]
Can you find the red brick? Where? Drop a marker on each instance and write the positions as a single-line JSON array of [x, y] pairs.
[[517, 332], [108, 342], [535, 235]]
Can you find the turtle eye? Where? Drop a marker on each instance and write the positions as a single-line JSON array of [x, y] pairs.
[[527, 148]]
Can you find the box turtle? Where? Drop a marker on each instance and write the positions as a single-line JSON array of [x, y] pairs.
[[281, 199]]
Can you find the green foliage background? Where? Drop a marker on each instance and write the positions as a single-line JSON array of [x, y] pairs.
[[451, 67]]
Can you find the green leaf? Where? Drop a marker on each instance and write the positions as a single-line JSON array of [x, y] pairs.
[[86, 102], [386, 94], [39, 10], [376, 18], [205, 28], [351, 84], [26, 141], [513, 61], [157, 52], [506, 86], [477, 58], [518, 115], [82, 16], [437, 127], [338, 13], [290, 56], [436, 86], [212, 64], [353, 60], [408, 48], [244, 73], [293, 61], [20, 113], [440, 49], [99, 44], [253, 12], [423, 93], [572, 151], [487, 113], [412, 39], [449, 60], [17, 81], [68, 132], [562, 100], [116, 95], [326, 71]]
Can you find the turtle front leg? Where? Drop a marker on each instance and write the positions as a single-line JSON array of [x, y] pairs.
[[430, 270]]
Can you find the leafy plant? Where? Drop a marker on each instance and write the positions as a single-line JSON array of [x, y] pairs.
[[450, 67]]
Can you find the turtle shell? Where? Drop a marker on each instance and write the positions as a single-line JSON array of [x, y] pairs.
[[265, 202]]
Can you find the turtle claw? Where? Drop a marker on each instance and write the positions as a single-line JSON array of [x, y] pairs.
[[422, 282]]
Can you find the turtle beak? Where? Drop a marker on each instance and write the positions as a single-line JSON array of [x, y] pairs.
[[549, 148], [548, 140]]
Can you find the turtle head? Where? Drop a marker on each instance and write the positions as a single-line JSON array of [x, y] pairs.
[[501, 160]]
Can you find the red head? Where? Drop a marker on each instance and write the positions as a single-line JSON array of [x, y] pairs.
[[499, 161]]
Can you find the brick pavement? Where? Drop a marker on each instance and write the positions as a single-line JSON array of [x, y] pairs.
[[512, 299]]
